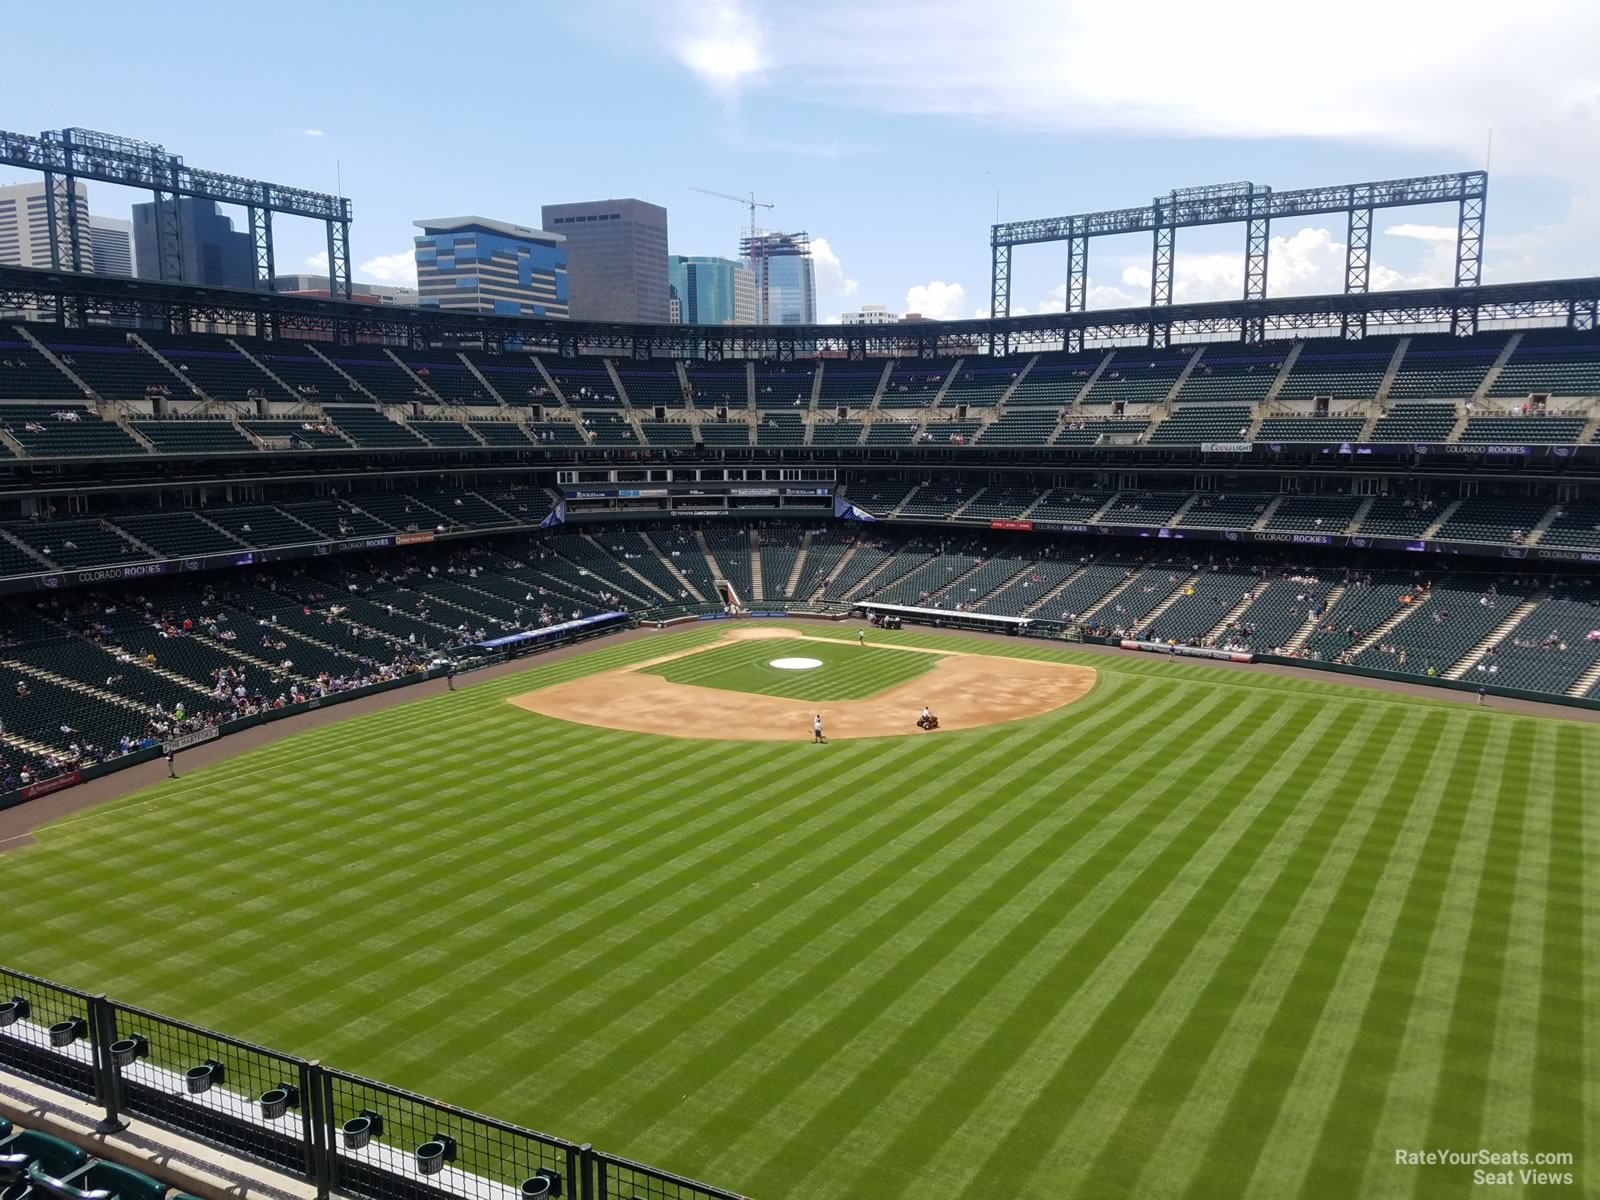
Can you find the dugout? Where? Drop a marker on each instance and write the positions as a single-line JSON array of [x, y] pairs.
[[944, 618], [515, 645]]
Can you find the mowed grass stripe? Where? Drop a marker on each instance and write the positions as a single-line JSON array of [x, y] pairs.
[[808, 913], [1217, 870], [1560, 1118], [1312, 807], [1228, 1159], [879, 1075], [846, 672], [1469, 1038], [1354, 1113], [918, 906]]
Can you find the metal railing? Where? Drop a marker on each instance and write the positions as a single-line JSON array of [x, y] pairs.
[[338, 1131]]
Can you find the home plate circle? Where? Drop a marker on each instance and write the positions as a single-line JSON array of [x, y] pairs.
[[796, 664]]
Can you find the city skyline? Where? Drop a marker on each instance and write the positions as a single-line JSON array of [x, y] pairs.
[[897, 183]]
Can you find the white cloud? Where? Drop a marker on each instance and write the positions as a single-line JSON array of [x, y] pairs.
[[937, 300], [399, 268], [1423, 233], [1199, 78], [312, 132], [721, 44], [831, 279]]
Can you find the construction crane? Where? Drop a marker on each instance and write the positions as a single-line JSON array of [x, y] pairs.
[[758, 258], [749, 201]]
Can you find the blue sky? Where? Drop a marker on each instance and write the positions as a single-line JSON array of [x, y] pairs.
[[886, 129]]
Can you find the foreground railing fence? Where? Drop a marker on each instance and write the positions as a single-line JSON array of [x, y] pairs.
[[338, 1131]]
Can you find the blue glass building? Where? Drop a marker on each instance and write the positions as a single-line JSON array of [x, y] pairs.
[[475, 265]]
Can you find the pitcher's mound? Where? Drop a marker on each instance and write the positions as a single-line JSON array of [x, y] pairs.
[[964, 691]]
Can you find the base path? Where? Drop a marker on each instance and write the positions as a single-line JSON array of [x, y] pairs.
[[964, 691]]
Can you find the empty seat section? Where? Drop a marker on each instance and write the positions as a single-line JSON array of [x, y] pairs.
[[1020, 427], [405, 513], [784, 385], [1277, 613], [1444, 367], [584, 382], [724, 433], [65, 431], [25, 374], [1242, 374], [446, 433], [1229, 511], [937, 500], [261, 525], [718, 385], [731, 549], [1361, 609], [1087, 431], [557, 433], [1550, 649], [1445, 627], [444, 373], [514, 376], [1195, 423], [108, 362], [1069, 505], [1138, 376], [667, 433], [193, 435], [76, 544], [177, 534], [886, 431], [780, 548], [336, 518], [1556, 362], [651, 384], [609, 428], [1493, 519], [374, 370], [371, 429], [1000, 502], [914, 383], [1518, 430], [216, 368], [1340, 370], [1399, 516], [1415, 423], [1056, 379], [1576, 525], [836, 433], [1144, 508], [1201, 607], [1037, 581], [306, 374], [1315, 514], [1083, 592], [1310, 429], [952, 433], [922, 584], [297, 433], [847, 384], [879, 496], [981, 382], [780, 428], [502, 433]]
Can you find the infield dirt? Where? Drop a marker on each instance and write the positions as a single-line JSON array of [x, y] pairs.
[[965, 691]]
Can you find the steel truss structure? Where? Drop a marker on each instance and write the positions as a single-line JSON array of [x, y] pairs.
[[1254, 207], [1573, 303], [66, 156]]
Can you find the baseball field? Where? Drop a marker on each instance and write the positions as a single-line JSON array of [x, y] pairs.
[[1145, 929]]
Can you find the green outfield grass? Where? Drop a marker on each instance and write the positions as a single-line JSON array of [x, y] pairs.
[[1204, 934], [848, 671]]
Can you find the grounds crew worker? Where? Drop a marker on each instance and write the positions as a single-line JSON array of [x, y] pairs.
[[816, 729]]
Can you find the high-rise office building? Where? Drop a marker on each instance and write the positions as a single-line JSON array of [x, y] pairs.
[[618, 253], [214, 253], [786, 281], [870, 314], [473, 264], [25, 226], [712, 291], [113, 245]]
